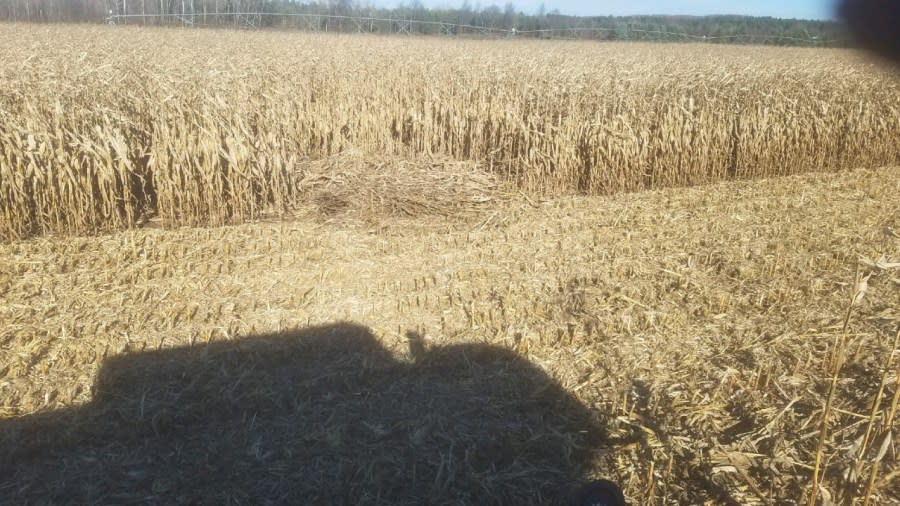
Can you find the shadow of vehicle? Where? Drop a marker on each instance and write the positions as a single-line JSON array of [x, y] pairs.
[[322, 415]]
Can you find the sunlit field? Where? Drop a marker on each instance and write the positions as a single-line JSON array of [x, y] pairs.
[[322, 269]]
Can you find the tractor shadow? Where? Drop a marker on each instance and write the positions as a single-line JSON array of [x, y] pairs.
[[322, 415]]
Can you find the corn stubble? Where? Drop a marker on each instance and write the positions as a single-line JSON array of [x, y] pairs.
[[105, 128], [709, 328]]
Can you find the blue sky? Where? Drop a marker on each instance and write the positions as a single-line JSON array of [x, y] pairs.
[[805, 9]]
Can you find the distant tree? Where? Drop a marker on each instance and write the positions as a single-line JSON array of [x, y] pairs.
[[719, 29]]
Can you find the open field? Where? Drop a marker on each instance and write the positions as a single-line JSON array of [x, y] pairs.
[[104, 128], [679, 341], [426, 281]]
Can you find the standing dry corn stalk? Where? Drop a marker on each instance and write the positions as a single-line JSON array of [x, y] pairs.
[[96, 132]]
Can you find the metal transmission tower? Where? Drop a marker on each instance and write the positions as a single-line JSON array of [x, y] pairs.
[[116, 8], [248, 20]]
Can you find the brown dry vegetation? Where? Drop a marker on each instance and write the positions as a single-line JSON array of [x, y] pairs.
[[104, 128], [697, 326], [696, 345]]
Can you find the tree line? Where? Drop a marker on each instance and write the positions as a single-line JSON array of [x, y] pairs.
[[440, 21]]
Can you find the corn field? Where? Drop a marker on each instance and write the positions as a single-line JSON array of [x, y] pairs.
[[105, 128]]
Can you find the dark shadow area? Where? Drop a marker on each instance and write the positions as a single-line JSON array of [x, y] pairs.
[[874, 25], [321, 415]]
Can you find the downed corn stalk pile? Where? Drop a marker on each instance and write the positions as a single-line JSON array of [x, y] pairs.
[[370, 187]]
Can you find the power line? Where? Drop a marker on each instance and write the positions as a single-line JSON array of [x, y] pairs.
[[405, 26]]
